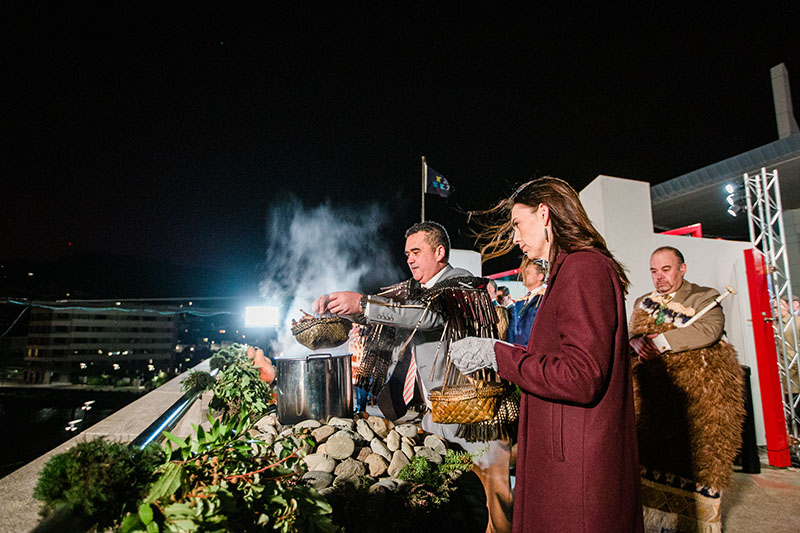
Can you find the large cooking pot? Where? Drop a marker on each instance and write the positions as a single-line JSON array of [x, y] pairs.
[[316, 386]]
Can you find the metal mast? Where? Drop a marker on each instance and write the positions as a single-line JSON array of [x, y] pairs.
[[765, 219]]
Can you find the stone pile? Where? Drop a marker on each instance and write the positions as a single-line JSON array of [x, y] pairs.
[[348, 451]]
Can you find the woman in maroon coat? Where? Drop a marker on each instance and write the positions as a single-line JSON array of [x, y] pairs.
[[577, 464]]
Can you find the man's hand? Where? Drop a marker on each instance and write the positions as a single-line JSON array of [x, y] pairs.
[[320, 306], [644, 347], [344, 303]]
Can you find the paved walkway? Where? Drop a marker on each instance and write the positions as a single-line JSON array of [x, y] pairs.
[[767, 502]]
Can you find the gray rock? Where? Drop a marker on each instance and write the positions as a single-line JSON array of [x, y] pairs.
[[341, 423], [269, 430], [399, 460], [307, 424], [340, 445], [286, 432], [379, 425], [318, 480], [254, 433], [403, 486], [322, 433], [436, 443], [349, 468], [377, 465], [428, 453], [409, 441], [267, 421], [380, 448], [393, 441], [327, 490], [363, 428], [321, 448], [389, 484], [407, 450], [347, 483], [407, 430], [320, 462]]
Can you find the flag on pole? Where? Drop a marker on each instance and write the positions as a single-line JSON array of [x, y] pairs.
[[436, 183]]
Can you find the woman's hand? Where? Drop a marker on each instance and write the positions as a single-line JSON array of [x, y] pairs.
[[473, 353]]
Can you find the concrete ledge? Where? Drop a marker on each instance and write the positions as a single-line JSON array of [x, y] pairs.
[[21, 510]]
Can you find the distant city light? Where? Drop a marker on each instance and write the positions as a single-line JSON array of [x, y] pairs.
[[261, 316], [222, 331]]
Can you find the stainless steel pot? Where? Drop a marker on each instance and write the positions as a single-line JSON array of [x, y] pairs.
[[317, 386]]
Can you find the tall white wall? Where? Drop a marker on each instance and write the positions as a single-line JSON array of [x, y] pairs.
[[620, 209], [466, 259]]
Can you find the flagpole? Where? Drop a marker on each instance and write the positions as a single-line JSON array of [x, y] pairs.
[[424, 183]]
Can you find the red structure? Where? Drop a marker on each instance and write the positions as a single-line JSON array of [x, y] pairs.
[[767, 360], [694, 230]]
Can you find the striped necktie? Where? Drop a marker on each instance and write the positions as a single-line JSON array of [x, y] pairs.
[[411, 378]]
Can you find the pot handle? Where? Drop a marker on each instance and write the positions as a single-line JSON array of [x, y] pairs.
[[319, 356]]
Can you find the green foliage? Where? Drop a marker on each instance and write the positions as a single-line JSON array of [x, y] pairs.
[[198, 381], [238, 384], [217, 480], [98, 478], [432, 484], [103, 379]]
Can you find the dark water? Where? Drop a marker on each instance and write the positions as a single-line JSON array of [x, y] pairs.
[[33, 420]]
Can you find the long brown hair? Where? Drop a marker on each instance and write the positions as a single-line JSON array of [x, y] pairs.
[[570, 226]]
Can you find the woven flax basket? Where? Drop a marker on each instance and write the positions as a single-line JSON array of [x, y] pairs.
[[465, 403], [321, 333]]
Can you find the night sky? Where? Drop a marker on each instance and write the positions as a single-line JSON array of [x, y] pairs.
[[169, 133]]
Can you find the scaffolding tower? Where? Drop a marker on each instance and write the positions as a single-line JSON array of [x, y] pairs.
[[765, 220]]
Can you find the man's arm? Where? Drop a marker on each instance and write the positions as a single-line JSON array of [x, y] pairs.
[[406, 316]]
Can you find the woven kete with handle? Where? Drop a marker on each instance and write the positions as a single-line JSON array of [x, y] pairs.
[[465, 403], [321, 333]]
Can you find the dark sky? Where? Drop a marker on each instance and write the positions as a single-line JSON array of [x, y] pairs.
[[169, 133]]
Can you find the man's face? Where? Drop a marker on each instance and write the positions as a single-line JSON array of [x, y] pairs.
[[667, 273], [533, 278], [796, 305], [501, 296], [423, 260]]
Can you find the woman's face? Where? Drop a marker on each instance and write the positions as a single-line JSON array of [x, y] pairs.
[[529, 230]]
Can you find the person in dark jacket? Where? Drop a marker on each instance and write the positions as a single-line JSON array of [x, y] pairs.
[[577, 465]]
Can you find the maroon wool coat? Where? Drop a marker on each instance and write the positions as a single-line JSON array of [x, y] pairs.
[[577, 462]]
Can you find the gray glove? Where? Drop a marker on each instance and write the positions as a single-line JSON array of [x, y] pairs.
[[473, 353]]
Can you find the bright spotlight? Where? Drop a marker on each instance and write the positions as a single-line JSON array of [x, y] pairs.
[[729, 188], [261, 316], [734, 210]]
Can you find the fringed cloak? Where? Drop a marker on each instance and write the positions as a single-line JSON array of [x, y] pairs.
[[689, 408]]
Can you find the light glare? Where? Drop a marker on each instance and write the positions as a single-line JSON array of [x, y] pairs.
[[261, 316]]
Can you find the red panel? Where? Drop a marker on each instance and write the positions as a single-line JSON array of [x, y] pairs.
[[767, 360], [695, 230]]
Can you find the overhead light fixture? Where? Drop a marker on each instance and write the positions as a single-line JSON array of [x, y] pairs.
[[256, 316], [735, 209]]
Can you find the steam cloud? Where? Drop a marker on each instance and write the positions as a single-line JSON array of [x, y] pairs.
[[315, 251]]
